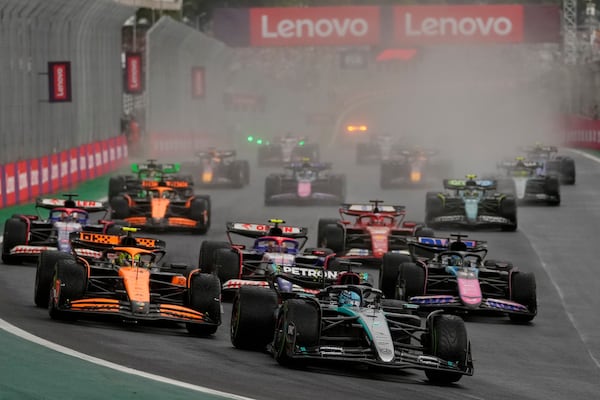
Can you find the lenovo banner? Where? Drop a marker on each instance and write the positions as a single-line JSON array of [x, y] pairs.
[[133, 73], [417, 25], [59, 82], [197, 82], [314, 26]]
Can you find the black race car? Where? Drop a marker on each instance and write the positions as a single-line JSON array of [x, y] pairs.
[[347, 322], [286, 150], [471, 203], [531, 182], [220, 168], [410, 167], [553, 163], [378, 148], [305, 183]]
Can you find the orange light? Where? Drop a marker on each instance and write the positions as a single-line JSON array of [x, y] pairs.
[[415, 176], [207, 176], [356, 128], [179, 280]]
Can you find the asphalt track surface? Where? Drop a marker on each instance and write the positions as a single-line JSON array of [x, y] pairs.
[[555, 357]]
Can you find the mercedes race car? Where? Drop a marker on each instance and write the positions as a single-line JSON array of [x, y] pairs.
[[471, 203], [305, 183], [531, 183], [288, 149], [220, 168], [125, 279], [409, 167], [347, 322], [170, 205], [26, 236], [454, 275], [151, 171], [553, 163]]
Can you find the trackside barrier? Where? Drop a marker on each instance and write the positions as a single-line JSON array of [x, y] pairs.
[[24, 180], [581, 132]]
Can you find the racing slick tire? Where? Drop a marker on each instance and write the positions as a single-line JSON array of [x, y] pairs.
[[433, 206], [424, 231], [15, 233], [200, 207], [523, 291], [298, 325], [567, 171], [552, 189], [386, 175], [205, 297], [322, 224], [448, 340], [116, 186], [338, 187], [411, 279], [44, 274], [272, 187], [228, 263], [253, 318], [206, 257], [508, 209], [245, 166], [73, 282], [390, 270], [119, 207], [236, 172], [334, 238]]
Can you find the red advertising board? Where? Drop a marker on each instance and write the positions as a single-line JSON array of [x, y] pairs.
[[198, 90], [134, 81], [45, 174], [64, 169], [582, 132], [54, 173], [91, 161], [315, 26], [59, 81], [105, 156], [83, 162], [22, 182], [34, 178], [418, 25], [2, 187], [10, 184], [74, 166]]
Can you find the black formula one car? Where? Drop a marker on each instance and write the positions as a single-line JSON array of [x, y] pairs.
[[150, 171], [531, 183], [121, 276], [471, 203], [348, 322], [288, 149], [26, 236], [452, 274], [553, 163], [410, 167], [378, 148], [305, 183], [165, 206], [220, 168]]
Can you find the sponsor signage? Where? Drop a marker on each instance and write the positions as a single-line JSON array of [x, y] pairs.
[[133, 73], [59, 82], [458, 24], [314, 26], [198, 89]]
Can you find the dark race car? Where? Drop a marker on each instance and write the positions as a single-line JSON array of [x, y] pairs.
[[454, 275], [286, 150], [305, 183], [151, 171], [165, 206], [273, 248], [471, 203], [553, 163], [220, 168], [410, 167], [347, 322], [531, 183], [26, 236], [378, 148], [126, 280]]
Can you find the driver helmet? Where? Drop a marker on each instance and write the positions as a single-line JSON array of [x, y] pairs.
[[124, 259], [348, 298], [272, 246], [455, 261]]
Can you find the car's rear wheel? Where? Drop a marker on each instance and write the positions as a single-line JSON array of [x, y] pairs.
[[15, 234], [204, 296], [206, 258], [119, 207], [390, 270], [411, 278], [228, 263], [334, 238], [200, 212], [523, 291]]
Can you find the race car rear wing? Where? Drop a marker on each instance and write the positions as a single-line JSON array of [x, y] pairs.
[[315, 166], [216, 153], [460, 184], [86, 205], [426, 247], [360, 209], [538, 149], [251, 230], [100, 241], [151, 165]]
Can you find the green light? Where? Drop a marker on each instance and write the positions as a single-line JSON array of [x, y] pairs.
[[259, 141], [250, 139], [301, 143]]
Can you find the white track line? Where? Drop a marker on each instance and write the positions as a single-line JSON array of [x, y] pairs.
[[586, 155], [98, 361]]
